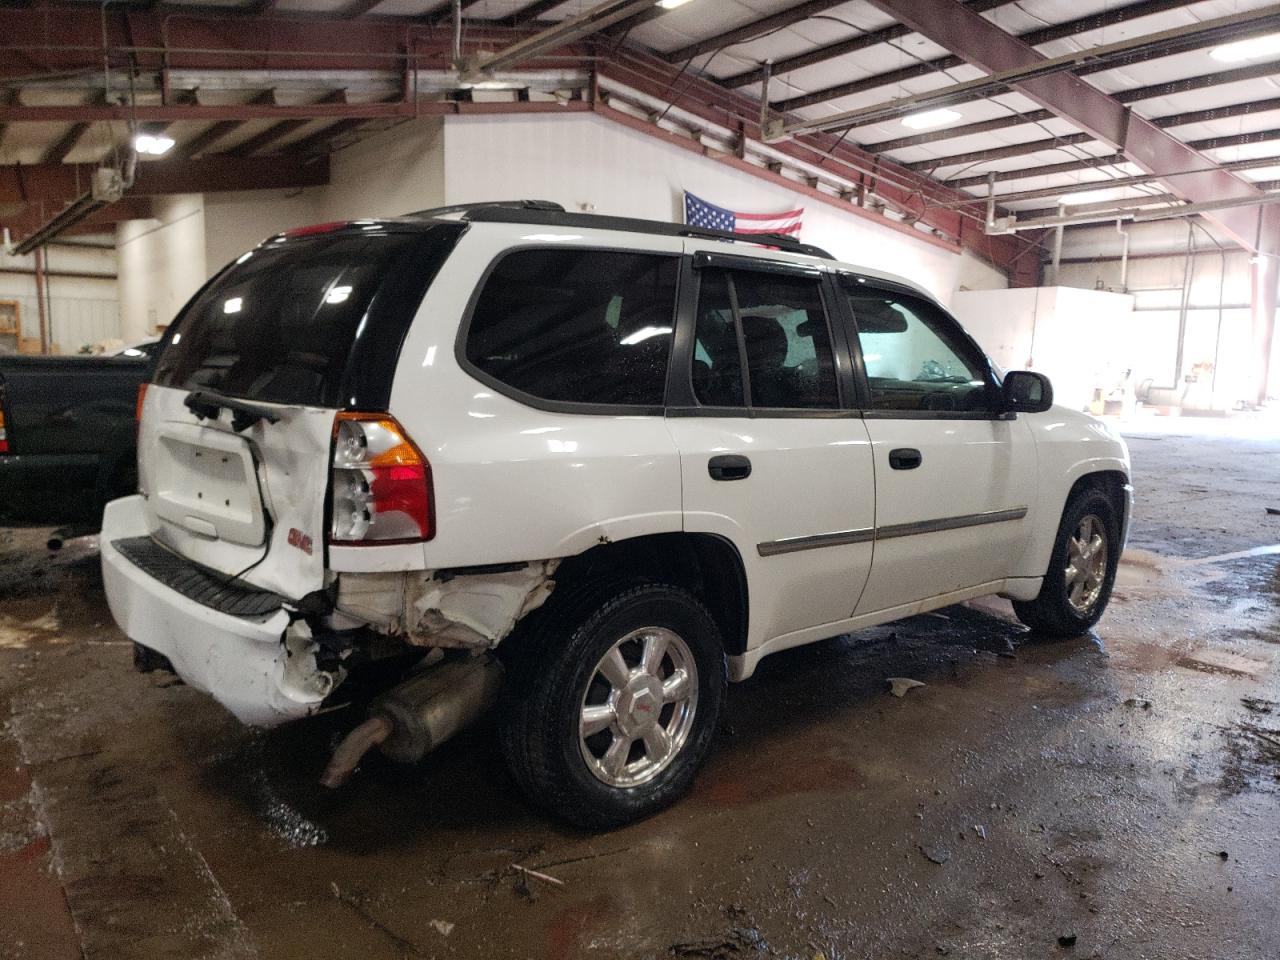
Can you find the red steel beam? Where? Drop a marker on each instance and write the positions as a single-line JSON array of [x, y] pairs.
[[980, 42], [200, 142], [60, 182], [37, 214], [911, 192], [56, 38], [280, 130]]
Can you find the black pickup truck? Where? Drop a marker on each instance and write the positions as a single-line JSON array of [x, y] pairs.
[[67, 435]]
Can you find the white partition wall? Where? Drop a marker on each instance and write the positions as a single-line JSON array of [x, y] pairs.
[[588, 163]]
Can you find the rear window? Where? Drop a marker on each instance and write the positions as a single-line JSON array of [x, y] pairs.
[[577, 326], [314, 321]]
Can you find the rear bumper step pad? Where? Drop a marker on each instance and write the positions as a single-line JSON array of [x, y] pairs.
[[206, 587]]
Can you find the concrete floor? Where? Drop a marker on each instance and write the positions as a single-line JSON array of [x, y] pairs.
[[1120, 789]]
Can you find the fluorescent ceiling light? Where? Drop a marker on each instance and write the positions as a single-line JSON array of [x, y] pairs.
[[1088, 196], [930, 118], [1249, 49], [154, 144], [671, 4]]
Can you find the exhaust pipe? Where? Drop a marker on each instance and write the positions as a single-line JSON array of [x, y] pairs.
[[412, 719]]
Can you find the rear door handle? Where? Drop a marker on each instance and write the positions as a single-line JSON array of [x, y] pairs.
[[905, 458], [729, 466]]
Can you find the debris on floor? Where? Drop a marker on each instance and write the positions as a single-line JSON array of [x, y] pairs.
[[938, 855], [899, 686], [537, 875], [1142, 702], [737, 942]]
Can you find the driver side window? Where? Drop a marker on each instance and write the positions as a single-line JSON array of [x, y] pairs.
[[913, 358]]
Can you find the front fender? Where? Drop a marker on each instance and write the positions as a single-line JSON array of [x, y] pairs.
[[1069, 447]]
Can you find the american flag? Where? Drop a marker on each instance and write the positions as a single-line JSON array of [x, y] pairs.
[[699, 213]]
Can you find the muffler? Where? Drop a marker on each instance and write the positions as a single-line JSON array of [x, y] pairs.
[[413, 718]]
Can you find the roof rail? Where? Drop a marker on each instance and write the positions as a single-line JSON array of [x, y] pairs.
[[549, 205], [555, 216]]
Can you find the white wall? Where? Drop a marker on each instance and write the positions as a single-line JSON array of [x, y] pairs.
[[1081, 339], [237, 222], [82, 310], [389, 173], [583, 162], [396, 171], [1218, 345], [162, 263], [589, 163]]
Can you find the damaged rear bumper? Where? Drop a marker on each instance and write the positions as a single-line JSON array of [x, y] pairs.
[[241, 661]]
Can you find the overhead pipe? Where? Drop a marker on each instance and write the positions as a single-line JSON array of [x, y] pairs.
[[566, 31], [1006, 225]]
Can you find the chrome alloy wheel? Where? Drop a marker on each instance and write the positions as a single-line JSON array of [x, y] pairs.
[[638, 708], [1086, 564]]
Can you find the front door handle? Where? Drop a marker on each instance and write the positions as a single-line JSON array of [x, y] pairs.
[[729, 466], [905, 458]]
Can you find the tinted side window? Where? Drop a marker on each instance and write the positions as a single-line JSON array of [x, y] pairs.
[[781, 327], [913, 356], [784, 326], [717, 364], [579, 326]]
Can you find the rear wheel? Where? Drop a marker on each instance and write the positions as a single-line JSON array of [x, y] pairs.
[[614, 702], [1077, 585]]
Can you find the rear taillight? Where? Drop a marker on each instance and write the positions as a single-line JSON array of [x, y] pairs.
[[137, 410], [4, 435], [380, 487]]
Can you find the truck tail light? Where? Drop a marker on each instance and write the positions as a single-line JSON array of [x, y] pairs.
[[380, 483], [4, 435], [137, 409]]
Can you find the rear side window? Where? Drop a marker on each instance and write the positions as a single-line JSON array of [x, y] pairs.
[[779, 324], [312, 321], [577, 326]]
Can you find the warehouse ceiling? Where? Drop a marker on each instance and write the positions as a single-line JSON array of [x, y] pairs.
[[315, 74]]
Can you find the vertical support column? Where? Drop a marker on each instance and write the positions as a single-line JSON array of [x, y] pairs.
[[41, 283], [457, 34], [1266, 271], [1057, 249], [1124, 256]]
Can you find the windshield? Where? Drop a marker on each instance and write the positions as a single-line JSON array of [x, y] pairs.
[[285, 322]]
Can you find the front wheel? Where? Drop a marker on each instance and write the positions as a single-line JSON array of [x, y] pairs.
[[1081, 572], [614, 703]]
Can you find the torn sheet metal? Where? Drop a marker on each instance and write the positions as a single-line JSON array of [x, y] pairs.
[[473, 610]]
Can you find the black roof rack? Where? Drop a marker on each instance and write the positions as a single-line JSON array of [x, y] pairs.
[[548, 205], [544, 213]]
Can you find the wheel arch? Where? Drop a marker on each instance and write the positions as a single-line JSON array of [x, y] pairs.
[[1111, 477], [707, 565]]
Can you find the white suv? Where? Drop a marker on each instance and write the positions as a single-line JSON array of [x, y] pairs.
[[582, 468]]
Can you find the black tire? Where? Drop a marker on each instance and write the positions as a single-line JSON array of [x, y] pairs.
[[550, 674], [1052, 613]]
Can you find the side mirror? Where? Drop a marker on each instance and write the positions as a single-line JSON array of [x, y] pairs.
[[1027, 392]]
